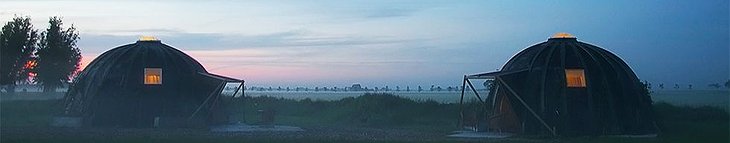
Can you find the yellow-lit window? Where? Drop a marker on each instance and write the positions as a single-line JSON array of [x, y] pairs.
[[575, 78], [152, 76]]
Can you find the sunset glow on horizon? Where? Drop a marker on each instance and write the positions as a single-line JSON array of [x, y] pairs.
[[406, 43]]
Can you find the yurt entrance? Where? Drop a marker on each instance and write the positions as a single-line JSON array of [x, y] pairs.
[[475, 114], [498, 107]]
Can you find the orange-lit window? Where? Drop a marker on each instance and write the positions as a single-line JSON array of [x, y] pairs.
[[575, 78], [152, 76]]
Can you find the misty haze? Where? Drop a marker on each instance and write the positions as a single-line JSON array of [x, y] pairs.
[[364, 71]]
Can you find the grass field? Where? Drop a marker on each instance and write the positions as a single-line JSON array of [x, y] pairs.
[[370, 118], [695, 98]]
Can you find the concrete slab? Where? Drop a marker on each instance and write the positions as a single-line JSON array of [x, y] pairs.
[[254, 128], [474, 134], [637, 136], [65, 121]]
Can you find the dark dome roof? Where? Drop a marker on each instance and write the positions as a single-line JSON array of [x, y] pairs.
[[610, 101], [144, 54], [112, 85], [567, 53], [123, 66]]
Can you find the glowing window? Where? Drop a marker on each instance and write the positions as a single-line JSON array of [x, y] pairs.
[[152, 76], [575, 78]]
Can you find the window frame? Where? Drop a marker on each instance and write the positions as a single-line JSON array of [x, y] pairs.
[[570, 74], [149, 72]]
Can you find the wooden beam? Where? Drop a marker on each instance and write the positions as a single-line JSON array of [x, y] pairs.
[[461, 103], [206, 100], [243, 101], [526, 106], [240, 87], [474, 90]]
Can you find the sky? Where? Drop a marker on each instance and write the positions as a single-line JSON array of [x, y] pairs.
[[399, 43]]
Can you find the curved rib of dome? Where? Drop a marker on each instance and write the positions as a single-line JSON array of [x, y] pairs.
[[115, 90], [572, 88]]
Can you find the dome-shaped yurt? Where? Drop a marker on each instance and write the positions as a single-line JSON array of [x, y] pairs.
[[566, 87], [147, 84]]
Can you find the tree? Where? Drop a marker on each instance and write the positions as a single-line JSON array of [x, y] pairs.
[[17, 44], [58, 56], [645, 90], [727, 84], [648, 84], [714, 85]]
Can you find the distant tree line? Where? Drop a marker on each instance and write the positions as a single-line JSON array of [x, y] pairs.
[[646, 84], [335, 89], [690, 86], [50, 58]]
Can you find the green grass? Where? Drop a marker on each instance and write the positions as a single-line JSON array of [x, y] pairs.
[[694, 98], [206, 140], [692, 124], [371, 110], [677, 123], [28, 113]]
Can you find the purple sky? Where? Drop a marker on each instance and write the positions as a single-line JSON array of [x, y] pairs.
[[400, 43]]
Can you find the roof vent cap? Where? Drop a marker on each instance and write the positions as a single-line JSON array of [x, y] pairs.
[[148, 38], [562, 35]]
